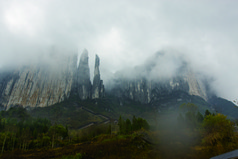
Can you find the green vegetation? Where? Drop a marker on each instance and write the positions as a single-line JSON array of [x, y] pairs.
[[187, 133], [127, 127], [67, 113], [225, 107], [219, 133], [37, 137], [18, 130]]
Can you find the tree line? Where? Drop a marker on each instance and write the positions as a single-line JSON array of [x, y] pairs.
[[127, 126], [18, 130]]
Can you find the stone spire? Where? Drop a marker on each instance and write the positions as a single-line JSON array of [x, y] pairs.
[[98, 87], [96, 68], [83, 77]]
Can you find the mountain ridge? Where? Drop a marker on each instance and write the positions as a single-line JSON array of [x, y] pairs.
[[45, 85], [49, 84]]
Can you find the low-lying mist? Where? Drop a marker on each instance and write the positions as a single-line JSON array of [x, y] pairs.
[[175, 137]]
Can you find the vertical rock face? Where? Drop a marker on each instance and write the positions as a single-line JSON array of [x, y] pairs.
[[48, 83], [196, 87], [52, 82], [137, 90], [83, 85], [98, 87], [37, 86], [146, 90]]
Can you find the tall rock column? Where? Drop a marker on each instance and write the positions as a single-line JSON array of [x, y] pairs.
[[84, 85], [98, 87]]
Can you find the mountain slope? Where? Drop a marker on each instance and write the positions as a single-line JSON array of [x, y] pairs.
[[224, 106]]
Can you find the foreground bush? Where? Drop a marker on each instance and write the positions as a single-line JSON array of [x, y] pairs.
[[219, 133]]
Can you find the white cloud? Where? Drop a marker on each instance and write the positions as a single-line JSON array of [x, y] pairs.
[[125, 33]]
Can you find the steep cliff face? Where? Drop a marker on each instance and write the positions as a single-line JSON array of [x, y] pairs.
[[98, 87], [38, 86], [49, 83], [46, 84], [82, 84], [146, 91], [156, 78]]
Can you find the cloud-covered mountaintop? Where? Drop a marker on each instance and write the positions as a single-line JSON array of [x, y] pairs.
[[125, 33]]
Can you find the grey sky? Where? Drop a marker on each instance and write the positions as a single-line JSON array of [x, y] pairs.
[[125, 33]]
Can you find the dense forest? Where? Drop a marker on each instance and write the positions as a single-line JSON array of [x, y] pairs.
[[187, 134]]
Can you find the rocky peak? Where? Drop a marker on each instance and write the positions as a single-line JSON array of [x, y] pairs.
[[84, 58], [44, 84], [98, 87], [83, 83], [83, 68], [96, 68]]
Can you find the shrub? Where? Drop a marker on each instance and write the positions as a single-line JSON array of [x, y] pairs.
[[218, 130]]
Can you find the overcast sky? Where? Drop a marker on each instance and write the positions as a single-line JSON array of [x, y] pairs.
[[125, 33]]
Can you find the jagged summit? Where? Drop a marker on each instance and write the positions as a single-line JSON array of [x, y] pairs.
[[42, 85], [96, 68], [83, 83], [84, 57]]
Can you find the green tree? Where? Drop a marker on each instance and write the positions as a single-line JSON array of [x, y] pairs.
[[207, 113], [109, 130], [142, 123], [218, 130], [56, 132], [128, 126], [121, 124], [135, 125]]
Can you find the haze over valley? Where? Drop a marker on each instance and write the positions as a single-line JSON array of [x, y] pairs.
[[118, 79]]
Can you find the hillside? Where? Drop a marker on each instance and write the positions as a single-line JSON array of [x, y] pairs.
[[224, 106], [70, 112]]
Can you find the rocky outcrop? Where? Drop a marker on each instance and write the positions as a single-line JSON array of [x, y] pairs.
[[46, 84], [38, 86], [146, 87], [196, 87], [145, 91], [82, 78], [98, 87]]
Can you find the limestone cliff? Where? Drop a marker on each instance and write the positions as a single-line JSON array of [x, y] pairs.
[[151, 81], [82, 84], [51, 82], [47, 83], [38, 86], [144, 90]]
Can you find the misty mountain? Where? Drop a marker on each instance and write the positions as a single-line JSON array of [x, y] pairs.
[[147, 83], [45, 84], [164, 81]]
